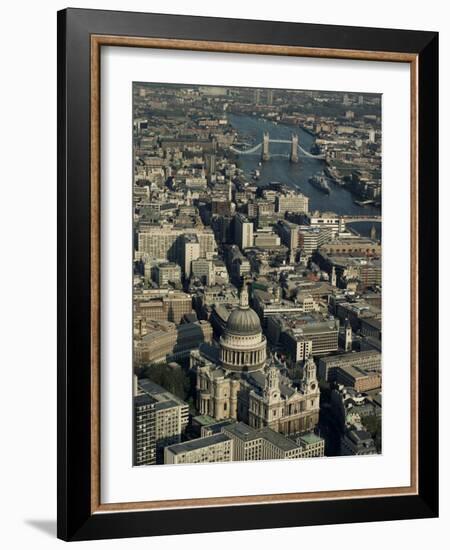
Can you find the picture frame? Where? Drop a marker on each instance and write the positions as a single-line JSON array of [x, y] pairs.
[[81, 36]]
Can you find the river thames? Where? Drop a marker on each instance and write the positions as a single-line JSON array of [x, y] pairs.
[[296, 176]]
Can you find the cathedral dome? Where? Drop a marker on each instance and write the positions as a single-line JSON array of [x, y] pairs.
[[243, 321], [243, 344]]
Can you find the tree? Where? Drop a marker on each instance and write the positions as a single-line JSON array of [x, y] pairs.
[[372, 424], [174, 380]]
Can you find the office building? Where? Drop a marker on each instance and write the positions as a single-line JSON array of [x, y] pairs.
[[167, 273], [303, 335], [267, 444], [160, 419], [166, 341], [190, 251], [356, 377], [329, 220], [203, 269], [167, 242], [169, 307], [311, 238], [243, 231], [144, 439], [289, 234], [369, 360], [215, 448], [291, 202]]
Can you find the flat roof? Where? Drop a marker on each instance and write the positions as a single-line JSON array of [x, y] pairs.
[[356, 355], [204, 419], [243, 431], [199, 443], [310, 438], [278, 439]]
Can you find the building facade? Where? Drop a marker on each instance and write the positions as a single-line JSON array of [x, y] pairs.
[[144, 440], [369, 360], [243, 232], [215, 448], [167, 342]]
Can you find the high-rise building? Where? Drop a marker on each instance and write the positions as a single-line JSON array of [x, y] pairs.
[[167, 417], [243, 232], [190, 252], [144, 440], [289, 234], [211, 164]]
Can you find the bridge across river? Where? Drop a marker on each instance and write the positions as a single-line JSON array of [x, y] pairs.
[[296, 149], [360, 218]]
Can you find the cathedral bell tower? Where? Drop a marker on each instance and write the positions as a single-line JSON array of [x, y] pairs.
[[272, 384], [309, 382]]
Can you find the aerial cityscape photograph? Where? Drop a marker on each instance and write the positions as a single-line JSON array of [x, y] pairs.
[[257, 274]]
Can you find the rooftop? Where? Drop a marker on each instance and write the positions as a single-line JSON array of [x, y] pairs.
[[204, 419], [196, 444], [356, 355], [278, 439], [242, 431], [310, 438]]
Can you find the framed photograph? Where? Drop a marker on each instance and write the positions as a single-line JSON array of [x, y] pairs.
[[248, 300]]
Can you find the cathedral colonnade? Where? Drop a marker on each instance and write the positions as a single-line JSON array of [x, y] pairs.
[[239, 358]]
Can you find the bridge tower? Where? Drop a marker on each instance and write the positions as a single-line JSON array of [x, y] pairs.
[[294, 148], [265, 155]]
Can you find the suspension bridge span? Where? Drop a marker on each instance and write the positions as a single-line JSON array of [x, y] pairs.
[[263, 148]]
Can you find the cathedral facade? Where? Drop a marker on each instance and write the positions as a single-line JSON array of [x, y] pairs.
[[242, 385]]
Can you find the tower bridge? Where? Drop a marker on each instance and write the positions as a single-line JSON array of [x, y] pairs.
[[263, 148]]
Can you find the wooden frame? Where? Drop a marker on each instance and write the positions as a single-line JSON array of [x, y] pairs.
[[81, 34]]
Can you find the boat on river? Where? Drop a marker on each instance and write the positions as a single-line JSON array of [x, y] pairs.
[[319, 181], [256, 174]]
